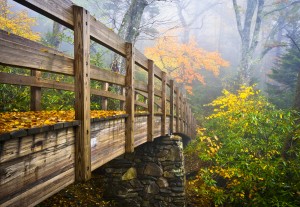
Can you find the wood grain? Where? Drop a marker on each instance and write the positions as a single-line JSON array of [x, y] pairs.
[[177, 109], [82, 93], [129, 85], [108, 141], [163, 104], [150, 135], [172, 106]]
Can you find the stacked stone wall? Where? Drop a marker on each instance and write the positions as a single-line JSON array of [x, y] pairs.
[[151, 176]]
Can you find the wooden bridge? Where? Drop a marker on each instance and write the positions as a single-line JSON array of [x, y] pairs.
[[38, 162]]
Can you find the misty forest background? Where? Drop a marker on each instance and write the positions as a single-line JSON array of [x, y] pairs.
[[239, 62]]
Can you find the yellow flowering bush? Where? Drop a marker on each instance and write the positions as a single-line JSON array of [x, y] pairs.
[[242, 146]]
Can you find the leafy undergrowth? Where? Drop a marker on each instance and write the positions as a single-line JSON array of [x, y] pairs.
[[11, 121], [80, 194]]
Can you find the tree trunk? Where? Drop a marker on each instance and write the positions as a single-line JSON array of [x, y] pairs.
[[249, 37], [129, 29], [131, 22], [56, 31]]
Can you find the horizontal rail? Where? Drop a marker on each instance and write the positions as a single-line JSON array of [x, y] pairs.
[[19, 52], [61, 11], [14, 79]]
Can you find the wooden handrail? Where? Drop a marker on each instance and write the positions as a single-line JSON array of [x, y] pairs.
[[20, 52]]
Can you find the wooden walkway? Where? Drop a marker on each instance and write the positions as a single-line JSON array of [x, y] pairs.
[[36, 163]]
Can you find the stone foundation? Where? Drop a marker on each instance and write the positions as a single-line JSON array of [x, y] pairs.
[[151, 176]]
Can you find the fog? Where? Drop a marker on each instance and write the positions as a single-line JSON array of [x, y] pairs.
[[213, 24]]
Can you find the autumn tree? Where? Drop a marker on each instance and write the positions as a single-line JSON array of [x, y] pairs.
[[18, 23], [184, 61]]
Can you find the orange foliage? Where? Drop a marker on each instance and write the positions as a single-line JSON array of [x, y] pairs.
[[184, 62], [11, 121]]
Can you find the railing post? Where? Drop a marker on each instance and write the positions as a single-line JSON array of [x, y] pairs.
[[35, 93], [177, 109], [82, 93], [135, 100], [163, 104], [150, 124], [129, 85], [189, 121], [171, 106], [181, 113], [186, 116], [104, 99]]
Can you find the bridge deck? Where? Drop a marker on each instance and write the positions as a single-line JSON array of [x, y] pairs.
[[36, 163], [35, 166]]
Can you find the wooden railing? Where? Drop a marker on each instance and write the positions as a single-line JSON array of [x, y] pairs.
[[20, 52]]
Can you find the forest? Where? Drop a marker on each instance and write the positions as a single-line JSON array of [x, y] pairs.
[[238, 63]]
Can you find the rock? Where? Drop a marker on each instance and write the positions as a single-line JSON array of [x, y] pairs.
[[152, 188], [130, 174], [153, 169], [168, 174], [135, 184], [174, 154], [162, 182], [178, 189], [176, 137], [162, 153]]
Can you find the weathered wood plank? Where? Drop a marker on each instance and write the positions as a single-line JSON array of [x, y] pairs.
[[157, 124], [104, 100], [30, 160], [58, 10], [122, 102], [43, 190], [181, 111], [19, 174], [129, 85], [140, 132], [144, 105], [177, 109], [82, 93], [171, 106], [167, 127], [35, 93], [150, 94], [108, 141], [163, 104], [107, 76], [32, 81], [17, 148], [28, 56], [106, 37], [107, 94], [21, 52]]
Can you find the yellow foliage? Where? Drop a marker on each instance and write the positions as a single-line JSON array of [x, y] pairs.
[[18, 23], [12, 121], [231, 104]]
